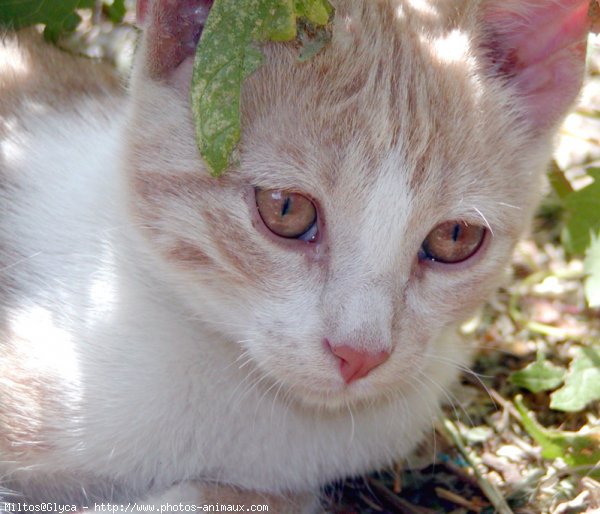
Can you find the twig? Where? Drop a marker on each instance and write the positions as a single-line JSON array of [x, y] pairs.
[[535, 326], [504, 403], [403, 506], [459, 500], [461, 473], [489, 489]]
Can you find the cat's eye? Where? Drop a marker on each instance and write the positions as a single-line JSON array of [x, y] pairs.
[[287, 214], [452, 242]]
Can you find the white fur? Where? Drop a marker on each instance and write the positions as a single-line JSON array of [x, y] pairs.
[[154, 395]]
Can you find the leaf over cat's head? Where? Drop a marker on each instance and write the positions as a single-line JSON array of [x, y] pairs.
[[538, 47]]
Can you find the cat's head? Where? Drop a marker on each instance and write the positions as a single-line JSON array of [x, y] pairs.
[[380, 189]]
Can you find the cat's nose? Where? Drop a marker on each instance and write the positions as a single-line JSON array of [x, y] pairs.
[[355, 364]]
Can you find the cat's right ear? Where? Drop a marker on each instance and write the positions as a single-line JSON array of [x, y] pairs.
[[171, 31], [141, 10], [537, 47]]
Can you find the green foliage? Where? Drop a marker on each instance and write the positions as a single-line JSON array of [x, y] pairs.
[[592, 270], [582, 214], [582, 382], [577, 449], [116, 11], [315, 11], [228, 52], [558, 181], [58, 17], [538, 376]]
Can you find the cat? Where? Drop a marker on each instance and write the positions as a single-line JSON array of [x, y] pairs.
[[170, 336]]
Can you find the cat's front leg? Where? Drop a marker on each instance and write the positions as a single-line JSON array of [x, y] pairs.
[[200, 494]]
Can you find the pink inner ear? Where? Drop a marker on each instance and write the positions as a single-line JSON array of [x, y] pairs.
[[172, 30], [141, 9], [539, 45]]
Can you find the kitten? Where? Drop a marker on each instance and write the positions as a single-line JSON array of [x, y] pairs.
[[168, 336]]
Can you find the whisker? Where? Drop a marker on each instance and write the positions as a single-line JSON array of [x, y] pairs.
[[348, 406], [263, 396], [484, 220], [456, 364], [20, 261], [242, 384], [450, 397], [275, 399], [432, 417], [504, 204], [468, 371]]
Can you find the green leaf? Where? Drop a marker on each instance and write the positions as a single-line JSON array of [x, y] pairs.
[[538, 376], [228, 52], [116, 11], [280, 23], [224, 57], [583, 214], [592, 269], [577, 449], [58, 16], [582, 383], [315, 11], [558, 180]]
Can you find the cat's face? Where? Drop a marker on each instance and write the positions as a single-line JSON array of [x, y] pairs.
[[380, 190]]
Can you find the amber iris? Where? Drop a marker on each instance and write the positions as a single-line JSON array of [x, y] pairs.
[[452, 242], [287, 214]]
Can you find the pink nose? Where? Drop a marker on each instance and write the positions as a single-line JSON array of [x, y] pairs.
[[355, 364]]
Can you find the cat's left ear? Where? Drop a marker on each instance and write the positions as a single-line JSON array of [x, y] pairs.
[[171, 30], [538, 47]]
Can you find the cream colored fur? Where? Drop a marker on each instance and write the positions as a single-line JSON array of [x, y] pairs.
[[154, 341]]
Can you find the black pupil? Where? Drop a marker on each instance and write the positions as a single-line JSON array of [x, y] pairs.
[[286, 206], [456, 232]]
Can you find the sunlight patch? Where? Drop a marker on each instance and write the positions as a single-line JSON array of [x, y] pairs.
[[48, 348], [453, 47], [422, 7]]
